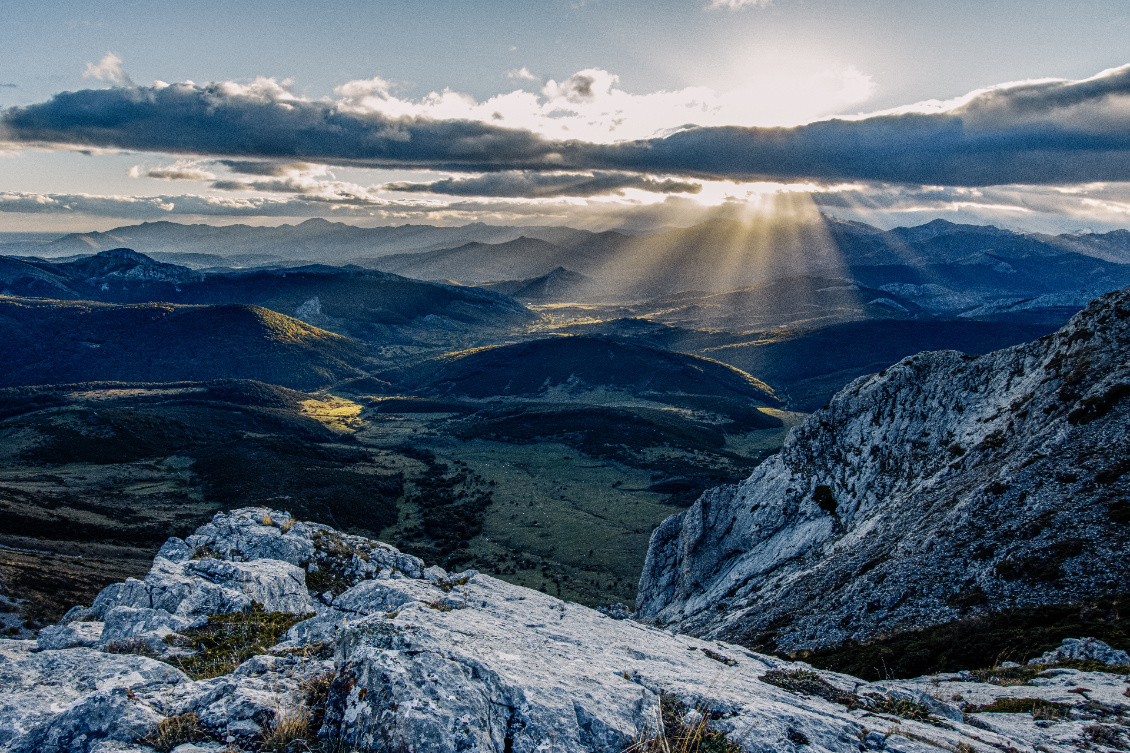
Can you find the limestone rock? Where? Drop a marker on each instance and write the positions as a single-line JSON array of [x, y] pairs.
[[439, 662], [150, 626], [102, 716], [517, 670], [39, 685], [69, 635], [1084, 648], [942, 487], [196, 588]]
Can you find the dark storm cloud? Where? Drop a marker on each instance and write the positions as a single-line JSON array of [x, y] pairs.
[[229, 120], [1034, 133], [532, 185]]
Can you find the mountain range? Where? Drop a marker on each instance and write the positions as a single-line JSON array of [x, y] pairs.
[[942, 267]]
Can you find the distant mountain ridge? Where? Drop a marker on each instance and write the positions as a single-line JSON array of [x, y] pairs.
[[315, 239], [717, 255], [349, 300]]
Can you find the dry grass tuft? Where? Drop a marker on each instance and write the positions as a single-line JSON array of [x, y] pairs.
[[292, 724], [175, 730], [672, 735]]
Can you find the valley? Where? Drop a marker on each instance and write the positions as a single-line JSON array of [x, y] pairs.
[[536, 429]]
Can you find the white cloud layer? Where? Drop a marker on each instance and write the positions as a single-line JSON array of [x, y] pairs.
[[1099, 207], [738, 4], [179, 170], [591, 105], [108, 69]]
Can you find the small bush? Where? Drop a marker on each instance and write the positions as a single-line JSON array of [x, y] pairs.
[[228, 640], [673, 736], [206, 552], [1037, 707], [291, 725], [448, 585], [175, 730], [804, 682], [905, 708], [316, 697], [134, 646], [1104, 734]]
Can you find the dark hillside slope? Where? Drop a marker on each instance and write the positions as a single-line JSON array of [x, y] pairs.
[[809, 366], [578, 363], [60, 342], [349, 300], [945, 486]]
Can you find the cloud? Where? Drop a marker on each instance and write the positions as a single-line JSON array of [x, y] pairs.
[[272, 169], [1054, 210], [674, 210], [738, 4], [547, 185], [590, 105], [1037, 132], [180, 170], [108, 69], [522, 74]]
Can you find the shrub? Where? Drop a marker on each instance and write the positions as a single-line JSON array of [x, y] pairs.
[[134, 646], [674, 736], [173, 731], [904, 707], [291, 725], [228, 640], [1037, 707]]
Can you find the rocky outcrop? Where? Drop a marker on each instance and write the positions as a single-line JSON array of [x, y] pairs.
[[40, 685], [1085, 649], [436, 662], [941, 487]]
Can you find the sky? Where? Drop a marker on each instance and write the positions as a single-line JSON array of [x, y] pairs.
[[590, 113]]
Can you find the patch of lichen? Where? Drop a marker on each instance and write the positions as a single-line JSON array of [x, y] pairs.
[[227, 640]]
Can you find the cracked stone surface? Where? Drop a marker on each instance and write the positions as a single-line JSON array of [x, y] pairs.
[[939, 488], [425, 660]]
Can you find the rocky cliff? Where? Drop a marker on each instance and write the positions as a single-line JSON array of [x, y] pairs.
[[226, 645], [944, 486]]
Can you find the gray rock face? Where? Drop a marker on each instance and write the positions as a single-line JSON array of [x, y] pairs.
[[1084, 648], [37, 686], [150, 626], [921, 494], [197, 588], [437, 663], [103, 716], [54, 637]]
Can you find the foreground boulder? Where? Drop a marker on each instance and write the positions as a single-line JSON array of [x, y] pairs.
[[429, 661], [943, 487]]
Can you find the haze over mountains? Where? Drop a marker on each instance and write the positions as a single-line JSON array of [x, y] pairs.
[[940, 266]]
